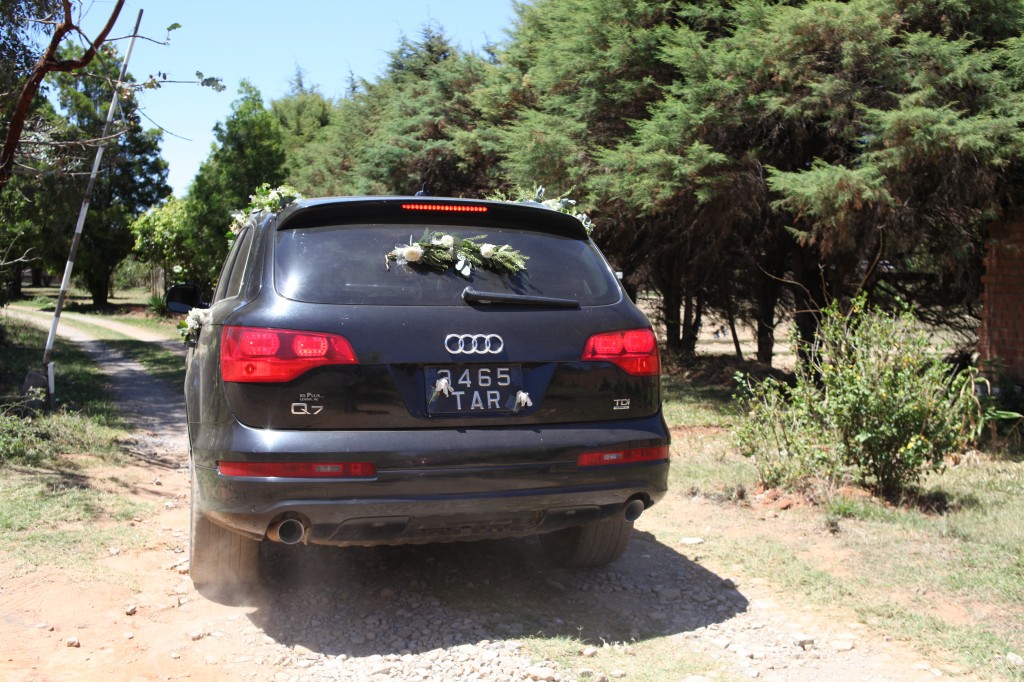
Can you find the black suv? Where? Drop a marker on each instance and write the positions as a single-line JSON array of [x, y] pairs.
[[411, 370]]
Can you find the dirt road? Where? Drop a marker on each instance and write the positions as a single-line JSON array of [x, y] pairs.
[[491, 611]]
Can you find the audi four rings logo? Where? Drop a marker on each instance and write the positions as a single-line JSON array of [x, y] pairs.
[[473, 343]]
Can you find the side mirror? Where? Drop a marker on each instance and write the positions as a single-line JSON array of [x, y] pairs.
[[181, 298]]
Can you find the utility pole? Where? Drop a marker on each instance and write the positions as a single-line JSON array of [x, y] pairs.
[[48, 366]]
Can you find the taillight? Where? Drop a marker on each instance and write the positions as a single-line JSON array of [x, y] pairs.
[[445, 208], [634, 350], [298, 469], [631, 456], [252, 354]]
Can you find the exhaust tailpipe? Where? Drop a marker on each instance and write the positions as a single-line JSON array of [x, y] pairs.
[[287, 531], [634, 509]]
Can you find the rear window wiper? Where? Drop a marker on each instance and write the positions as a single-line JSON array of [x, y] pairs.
[[471, 295]]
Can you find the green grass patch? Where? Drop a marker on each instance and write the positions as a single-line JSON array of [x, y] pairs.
[[702, 465], [57, 516], [79, 300], [52, 511], [652, 660], [686, 404], [974, 645], [947, 581], [777, 560], [162, 364], [71, 547], [167, 326], [83, 402], [862, 509]]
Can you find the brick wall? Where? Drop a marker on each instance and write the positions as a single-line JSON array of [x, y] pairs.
[[1001, 336]]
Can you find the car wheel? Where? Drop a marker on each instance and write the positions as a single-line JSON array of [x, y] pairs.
[[590, 545], [219, 559]]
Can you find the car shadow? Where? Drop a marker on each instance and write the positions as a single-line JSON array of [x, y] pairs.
[[398, 600]]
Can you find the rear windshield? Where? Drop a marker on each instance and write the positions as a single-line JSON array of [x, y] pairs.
[[345, 264]]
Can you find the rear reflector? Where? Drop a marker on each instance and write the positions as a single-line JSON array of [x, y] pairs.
[[251, 354], [633, 456], [634, 350], [298, 469], [445, 208]]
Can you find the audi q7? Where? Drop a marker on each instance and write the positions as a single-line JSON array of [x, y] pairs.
[[412, 370]]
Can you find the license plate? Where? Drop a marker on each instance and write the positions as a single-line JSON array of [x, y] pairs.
[[473, 389]]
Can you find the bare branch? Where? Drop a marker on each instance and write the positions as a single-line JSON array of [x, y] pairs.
[[91, 142], [23, 259], [48, 63]]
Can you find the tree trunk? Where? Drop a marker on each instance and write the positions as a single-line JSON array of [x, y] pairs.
[[765, 342], [731, 320], [14, 289], [692, 320], [819, 284], [99, 290], [37, 277], [671, 303], [808, 295], [769, 289]]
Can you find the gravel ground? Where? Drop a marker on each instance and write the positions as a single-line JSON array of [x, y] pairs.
[[469, 612]]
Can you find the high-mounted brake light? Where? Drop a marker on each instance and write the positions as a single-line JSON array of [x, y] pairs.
[[445, 208], [632, 456], [634, 350], [298, 469], [257, 355]]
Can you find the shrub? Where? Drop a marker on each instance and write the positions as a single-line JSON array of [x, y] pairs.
[[157, 306], [871, 401], [19, 441], [782, 433], [131, 273]]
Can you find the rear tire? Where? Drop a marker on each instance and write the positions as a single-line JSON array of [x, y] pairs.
[[590, 545], [220, 561]]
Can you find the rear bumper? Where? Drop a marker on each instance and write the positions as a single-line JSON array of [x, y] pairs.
[[432, 486]]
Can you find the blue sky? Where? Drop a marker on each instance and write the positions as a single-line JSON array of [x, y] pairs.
[[265, 42]]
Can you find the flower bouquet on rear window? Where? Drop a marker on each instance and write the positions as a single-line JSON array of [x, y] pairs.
[[440, 250]]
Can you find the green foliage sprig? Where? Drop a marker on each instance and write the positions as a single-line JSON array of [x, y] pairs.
[[562, 203], [440, 250], [264, 198]]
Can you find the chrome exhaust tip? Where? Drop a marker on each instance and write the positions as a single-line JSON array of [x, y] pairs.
[[634, 509], [287, 531]]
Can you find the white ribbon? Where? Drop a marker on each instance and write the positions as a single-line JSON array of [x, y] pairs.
[[522, 400], [463, 266], [442, 387]]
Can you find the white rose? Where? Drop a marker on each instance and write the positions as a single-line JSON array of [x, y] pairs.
[[447, 241], [487, 250], [412, 252]]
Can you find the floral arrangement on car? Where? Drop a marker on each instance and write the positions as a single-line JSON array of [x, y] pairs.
[[440, 250], [265, 198], [562, 203], [190, 327]]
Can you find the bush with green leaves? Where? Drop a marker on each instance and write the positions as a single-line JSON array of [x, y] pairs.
[[157, 306], [20, 442], [872, 402]]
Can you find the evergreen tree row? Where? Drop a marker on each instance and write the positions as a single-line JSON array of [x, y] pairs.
[[747, 160]]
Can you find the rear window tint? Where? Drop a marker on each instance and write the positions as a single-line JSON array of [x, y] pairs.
[[345, 264]]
